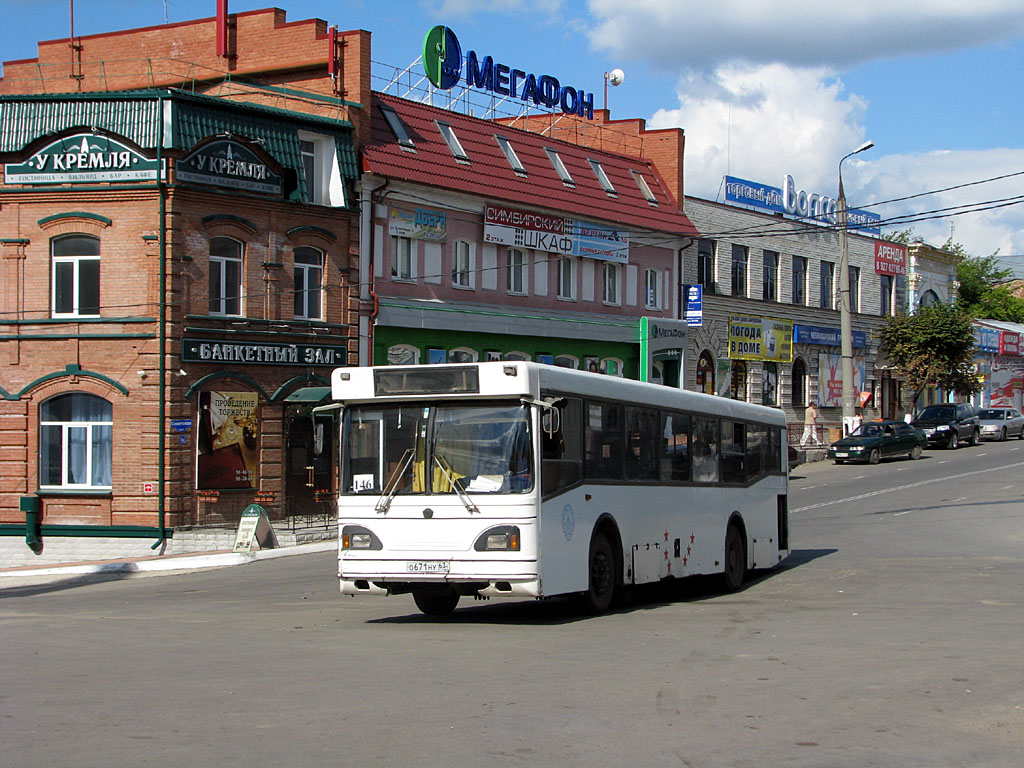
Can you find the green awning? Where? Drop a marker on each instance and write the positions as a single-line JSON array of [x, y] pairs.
[[308, 395]]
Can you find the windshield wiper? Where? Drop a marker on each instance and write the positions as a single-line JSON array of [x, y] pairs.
[[463, 496], [391, 486]]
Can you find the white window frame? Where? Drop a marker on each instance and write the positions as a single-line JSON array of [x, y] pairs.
[[472, 354], [510, 154], [326, 186], [611, 274], [516, 273], [463, 274], [565, 278], [561, 360], [602, 177], [220, 266], [403, 259], [309, 283], [74, 262], [67, 430], [559, 166], [652, 289], [448, 134], [408, 349]]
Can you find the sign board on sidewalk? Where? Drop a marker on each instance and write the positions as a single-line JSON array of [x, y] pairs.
[[254, 526]]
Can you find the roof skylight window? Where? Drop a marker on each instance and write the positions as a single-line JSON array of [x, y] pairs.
[[510, 155], [452, 141], [397, 127], [560, 169], [602, 177], [645, 189]]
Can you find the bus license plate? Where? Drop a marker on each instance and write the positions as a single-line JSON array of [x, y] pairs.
[[427, 566]]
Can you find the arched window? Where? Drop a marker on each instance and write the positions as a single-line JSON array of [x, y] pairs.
[[403, 354], [612, 366], [567, 361], [309, 275], [75, 442], [516, 356], [225, 276], [798, 385], [76, 276], [928, 298], [706, 373], [462, 355], [738, 382]]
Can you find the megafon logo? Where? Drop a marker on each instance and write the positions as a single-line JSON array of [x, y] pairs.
[[442, 61], [442, 58]]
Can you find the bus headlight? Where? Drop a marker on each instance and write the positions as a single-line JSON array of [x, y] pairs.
[[503, 538], [357, 537]]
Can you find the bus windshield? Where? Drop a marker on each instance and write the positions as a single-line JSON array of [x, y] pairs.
[[417, 448]]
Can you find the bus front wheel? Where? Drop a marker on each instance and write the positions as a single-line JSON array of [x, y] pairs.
[[735, 560], [601, 580], [436, 602]]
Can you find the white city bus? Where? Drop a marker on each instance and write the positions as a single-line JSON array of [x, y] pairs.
[[525, 480]]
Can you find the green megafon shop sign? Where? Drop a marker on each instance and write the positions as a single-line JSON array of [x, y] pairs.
[[83, 158]]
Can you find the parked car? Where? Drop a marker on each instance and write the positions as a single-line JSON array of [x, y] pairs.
[[1001, 423], [875, 440], [794, 457], [949, 424]]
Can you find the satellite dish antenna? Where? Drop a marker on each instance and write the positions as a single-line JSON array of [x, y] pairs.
[[615, 77]]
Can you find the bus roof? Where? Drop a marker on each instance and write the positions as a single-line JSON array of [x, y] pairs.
[[530, 380]]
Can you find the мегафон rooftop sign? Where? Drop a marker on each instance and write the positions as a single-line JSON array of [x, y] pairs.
[[442, 61]]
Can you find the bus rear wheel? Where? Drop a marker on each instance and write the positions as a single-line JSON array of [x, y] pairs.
[[735, 560], [601, 579], [436, 601]]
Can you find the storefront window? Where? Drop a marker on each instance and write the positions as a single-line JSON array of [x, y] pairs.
[[706, 373], [227, 440], [770, 383]]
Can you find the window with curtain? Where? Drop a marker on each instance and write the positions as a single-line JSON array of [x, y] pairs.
[[75, 442]]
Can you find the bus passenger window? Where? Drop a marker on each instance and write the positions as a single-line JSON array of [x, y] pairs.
[[758, 458], [733, 459], [642, 443], [603, 439], [705, 450], [675, 453], [561, 453]]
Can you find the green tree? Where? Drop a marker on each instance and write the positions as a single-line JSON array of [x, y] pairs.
[[935, 345], [981, 292]]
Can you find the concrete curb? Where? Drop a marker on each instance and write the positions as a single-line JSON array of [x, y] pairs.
[[155, 565]]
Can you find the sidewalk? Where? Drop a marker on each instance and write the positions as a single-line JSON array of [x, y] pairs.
[[157, 564]]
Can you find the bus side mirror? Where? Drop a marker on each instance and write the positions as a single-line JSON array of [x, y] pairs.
[[551, 421]]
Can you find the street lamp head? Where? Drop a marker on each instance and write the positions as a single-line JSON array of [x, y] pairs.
[[866, 145]]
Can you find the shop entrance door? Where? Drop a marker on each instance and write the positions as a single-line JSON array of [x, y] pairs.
[[309, 450]]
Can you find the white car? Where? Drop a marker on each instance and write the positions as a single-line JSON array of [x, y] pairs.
[[1001, 423]]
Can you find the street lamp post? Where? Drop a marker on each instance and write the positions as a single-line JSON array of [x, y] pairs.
[[845, 321]]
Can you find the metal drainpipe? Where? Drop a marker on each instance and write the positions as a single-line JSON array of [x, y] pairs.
[[366, 286], [161, 431]]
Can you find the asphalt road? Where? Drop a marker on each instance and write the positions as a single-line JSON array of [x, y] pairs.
[[892, 636]]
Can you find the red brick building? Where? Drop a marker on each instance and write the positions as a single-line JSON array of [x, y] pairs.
[[177, 253]]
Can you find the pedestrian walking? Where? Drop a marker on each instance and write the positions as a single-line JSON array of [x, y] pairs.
[[810, 425]]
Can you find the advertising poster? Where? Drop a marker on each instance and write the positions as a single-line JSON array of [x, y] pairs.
[[760, 338], [227, 440], [418, 224], [830, 379]]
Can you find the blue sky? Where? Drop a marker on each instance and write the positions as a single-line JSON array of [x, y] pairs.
[[762, 89]]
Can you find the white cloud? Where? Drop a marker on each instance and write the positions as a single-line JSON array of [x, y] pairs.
[[759, 122], [760, 94], [701, 34]]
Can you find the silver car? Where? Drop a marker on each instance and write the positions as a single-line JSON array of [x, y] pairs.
[[1001, 423]]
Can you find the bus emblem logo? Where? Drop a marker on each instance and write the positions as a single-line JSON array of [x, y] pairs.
[[568, 521]]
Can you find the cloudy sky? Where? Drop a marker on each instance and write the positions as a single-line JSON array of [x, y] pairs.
[[762, 89]]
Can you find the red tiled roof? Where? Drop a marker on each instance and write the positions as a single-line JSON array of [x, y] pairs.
[[489, 176]]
